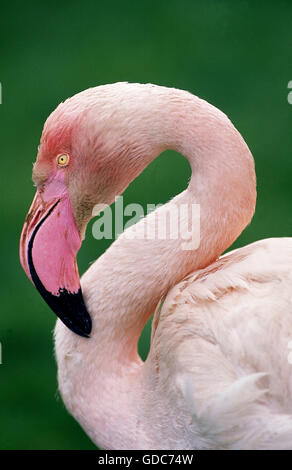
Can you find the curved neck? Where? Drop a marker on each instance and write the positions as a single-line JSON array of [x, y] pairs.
[[101, 378], [122, 288]]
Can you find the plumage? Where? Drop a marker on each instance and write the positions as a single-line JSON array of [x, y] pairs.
[[217, 375]]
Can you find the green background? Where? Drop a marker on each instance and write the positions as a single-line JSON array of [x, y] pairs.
[[235, 54]]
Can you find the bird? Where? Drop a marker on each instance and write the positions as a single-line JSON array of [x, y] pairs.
[[218, 374]]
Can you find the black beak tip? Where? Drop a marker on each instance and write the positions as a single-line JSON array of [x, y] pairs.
[[83, 330], [72, 311], [70, 308]]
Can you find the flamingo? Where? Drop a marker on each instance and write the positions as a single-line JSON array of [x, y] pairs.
[[217, 375]]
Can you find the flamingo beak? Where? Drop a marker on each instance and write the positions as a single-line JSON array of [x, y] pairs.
[[48, 247]]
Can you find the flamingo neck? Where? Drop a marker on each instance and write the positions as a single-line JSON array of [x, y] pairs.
[[123, 287]]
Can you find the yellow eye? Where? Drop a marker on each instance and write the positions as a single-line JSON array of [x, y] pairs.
[[63, 160]]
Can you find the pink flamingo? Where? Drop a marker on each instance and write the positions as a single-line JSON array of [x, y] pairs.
[[217, 375]]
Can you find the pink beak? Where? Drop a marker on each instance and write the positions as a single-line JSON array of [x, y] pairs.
[[48, 247]]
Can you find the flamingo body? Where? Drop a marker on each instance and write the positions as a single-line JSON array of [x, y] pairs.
[[217, 375]]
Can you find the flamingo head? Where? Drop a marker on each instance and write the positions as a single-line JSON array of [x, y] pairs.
[[75, 169], [52, 232]]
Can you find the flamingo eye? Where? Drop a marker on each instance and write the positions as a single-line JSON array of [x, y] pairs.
[[63, 160]]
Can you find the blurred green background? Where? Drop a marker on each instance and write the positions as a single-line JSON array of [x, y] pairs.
[[237, 55]]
